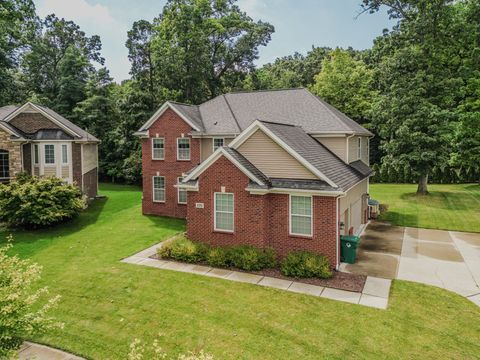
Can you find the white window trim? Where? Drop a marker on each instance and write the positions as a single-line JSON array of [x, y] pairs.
[[64, 146], [153, 152], [359, 148], [189, 149], [178, 191], [217, 138], [153, 189], [290, 216], [36, 150], [215, 212]]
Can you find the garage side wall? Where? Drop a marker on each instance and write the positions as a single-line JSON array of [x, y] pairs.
[[349, 203]]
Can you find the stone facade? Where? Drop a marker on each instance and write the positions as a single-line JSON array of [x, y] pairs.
[[14, 152], [259, 220], [90, 183], [169, 126]]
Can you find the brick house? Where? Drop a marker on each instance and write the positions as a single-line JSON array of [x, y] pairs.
[[37, 140], [280, 169]]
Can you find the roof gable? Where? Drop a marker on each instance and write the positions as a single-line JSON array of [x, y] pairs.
[[239, 140], [273, 160], [235, 158], [186, 112]]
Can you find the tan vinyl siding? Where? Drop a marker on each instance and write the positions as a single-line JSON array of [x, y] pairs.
[[353, 149], [89, 157], [36, 171], [337, 145], [271, 159], [65, 172], [207, 146], [354, 202], [49, 171]]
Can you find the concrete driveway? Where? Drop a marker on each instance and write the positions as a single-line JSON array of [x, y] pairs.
[[447, 259]]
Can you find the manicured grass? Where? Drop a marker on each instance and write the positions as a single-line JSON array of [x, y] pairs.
[[106, 304], [448, 207]]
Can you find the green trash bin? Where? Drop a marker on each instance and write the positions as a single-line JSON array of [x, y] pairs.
[[349, 244]]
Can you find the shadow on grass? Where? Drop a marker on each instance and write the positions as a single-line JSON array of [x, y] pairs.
[[43, 238], [446, 200], [167, 222], [400, 219]]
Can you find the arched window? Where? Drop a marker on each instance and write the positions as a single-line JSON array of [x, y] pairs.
[[4, 164]]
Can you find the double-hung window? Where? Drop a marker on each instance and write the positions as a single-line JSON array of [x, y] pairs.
[[158, 148], [4, 164], [36, 158], [182, 193], [183, 149], [218, 143], [158, 183], [301, 215], [49, 154], [224, 212], [64, 154]]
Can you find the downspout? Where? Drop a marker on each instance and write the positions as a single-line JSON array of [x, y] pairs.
[[337, 247]]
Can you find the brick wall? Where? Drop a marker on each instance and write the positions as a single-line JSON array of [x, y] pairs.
[[32, 122], [250, 215], [14, 152], [169, 126], [260, 220]]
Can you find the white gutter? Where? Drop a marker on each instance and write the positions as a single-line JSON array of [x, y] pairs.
[[293, 191]]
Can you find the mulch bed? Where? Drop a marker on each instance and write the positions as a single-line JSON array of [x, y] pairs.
[[339, 280]]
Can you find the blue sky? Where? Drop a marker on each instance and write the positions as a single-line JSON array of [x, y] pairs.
[[299, 24]]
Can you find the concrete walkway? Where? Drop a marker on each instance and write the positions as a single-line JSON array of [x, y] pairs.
[[447, 259], [34, 351], [375, 293]]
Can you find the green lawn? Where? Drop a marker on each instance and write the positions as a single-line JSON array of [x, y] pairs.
[[449, 207], [106, 304]]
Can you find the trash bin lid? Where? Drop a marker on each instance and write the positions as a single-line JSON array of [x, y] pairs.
[[372, 202], [351, 238]]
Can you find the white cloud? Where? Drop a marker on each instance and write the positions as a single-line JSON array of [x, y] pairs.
[[254, 8], [79, 11]]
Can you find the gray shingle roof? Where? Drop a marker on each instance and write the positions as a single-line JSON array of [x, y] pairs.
[[361, 167], [343, 175], [234, 112], [68, 124], [191, 112], [14, 130], [83, 135]]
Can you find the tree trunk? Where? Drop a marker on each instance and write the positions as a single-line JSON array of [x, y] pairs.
[[422, 185]]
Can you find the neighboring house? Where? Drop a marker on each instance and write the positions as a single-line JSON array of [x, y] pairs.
[[279, 169], [37, 140]]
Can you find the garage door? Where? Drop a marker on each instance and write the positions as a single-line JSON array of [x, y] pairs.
[[356, 215]]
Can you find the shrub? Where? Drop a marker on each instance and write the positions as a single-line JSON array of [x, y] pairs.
[[251, 258], [218, 257], [182, 249], [24, 307], [34, 202], [304, 264]]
